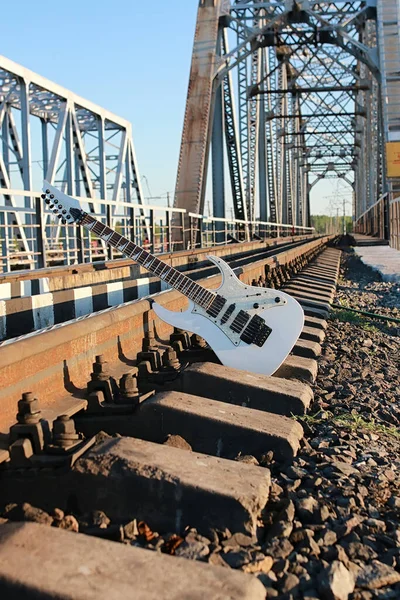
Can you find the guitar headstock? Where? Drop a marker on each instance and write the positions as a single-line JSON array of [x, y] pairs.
[[66, 209]]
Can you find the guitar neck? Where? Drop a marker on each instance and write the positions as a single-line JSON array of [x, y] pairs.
[[160, 269]]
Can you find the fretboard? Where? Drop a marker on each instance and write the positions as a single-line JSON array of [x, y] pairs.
[[170, 275]]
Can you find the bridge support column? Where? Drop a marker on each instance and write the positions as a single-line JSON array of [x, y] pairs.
[[218, 175]]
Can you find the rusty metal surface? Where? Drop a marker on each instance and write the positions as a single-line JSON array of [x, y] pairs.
[[192, 165]]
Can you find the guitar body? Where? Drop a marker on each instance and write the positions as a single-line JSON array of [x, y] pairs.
[[286, 322], [249, 328]]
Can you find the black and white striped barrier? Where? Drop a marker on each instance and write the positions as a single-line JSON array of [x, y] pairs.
[[28, 311]]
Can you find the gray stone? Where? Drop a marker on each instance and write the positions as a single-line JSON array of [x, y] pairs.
[[376, 525], [356, 550], [261, 565], [99, 519], [177, 441], [377, 575], [26, 512], [307, 509], [271, 592], [289, 581], [344, 468], [247, 459], [296, 472], [336, 582], [239, 539], [237, 559], [279, 548], [193, 550], [327, 538], [69, 523], [131, 530]]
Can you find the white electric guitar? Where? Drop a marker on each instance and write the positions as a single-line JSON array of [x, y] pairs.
[[249, 328]]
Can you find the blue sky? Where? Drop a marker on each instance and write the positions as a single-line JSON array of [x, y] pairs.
[[131, 57]]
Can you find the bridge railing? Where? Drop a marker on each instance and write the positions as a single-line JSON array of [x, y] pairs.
[[375, 220], [31, 237], [394, 221]]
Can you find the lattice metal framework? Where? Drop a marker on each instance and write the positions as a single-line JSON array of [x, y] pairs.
[[318, 87], [48, 132]]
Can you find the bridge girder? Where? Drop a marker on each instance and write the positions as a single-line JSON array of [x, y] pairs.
[[48, 132], [320, 68]]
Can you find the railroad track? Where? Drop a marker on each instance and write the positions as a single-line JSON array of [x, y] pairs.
[[191, 436]]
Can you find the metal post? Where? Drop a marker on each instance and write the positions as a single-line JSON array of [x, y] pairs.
[[80, 234], [71, 241], [26, 161], [169, 236], [201, 232], [40, 233], [262, 155], [192, 237], [4, 240], [218, 162], [151, 240], [183, 237]]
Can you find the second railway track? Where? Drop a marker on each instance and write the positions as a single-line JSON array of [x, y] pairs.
[[32, 300], [179, 453]]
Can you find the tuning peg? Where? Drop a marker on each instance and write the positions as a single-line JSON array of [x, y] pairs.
[[63, 221], [60, 206], [59, 216], [51, 196], [47, 191], [64, 212], [47, 200]]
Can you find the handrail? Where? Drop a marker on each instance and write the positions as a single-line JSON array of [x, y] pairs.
[[41, 241], [34, 194], [372, 206]]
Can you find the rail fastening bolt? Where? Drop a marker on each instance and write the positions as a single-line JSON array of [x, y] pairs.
[[28, 409], [64, 432]]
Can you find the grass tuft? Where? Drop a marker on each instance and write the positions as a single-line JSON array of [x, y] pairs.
[[347, 316], [352, 421]]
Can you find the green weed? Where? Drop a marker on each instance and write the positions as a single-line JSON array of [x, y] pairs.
[[347, 316], [351, 420]]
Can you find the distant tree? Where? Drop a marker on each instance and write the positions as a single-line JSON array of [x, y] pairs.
[[328, 224]]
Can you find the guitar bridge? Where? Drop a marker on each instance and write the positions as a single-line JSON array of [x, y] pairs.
[[257, 332]]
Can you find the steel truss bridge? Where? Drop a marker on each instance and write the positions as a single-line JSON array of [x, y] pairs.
[[317, 89], [281, 95]]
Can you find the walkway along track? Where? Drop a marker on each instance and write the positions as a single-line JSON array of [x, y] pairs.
[[220, 412]]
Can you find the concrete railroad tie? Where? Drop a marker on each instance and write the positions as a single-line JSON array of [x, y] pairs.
[[40, 562]]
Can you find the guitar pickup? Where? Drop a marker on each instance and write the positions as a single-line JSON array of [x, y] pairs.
[[227, 313], [216, 306], [240, 321]]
